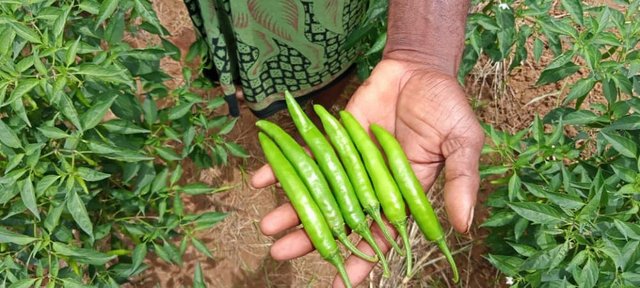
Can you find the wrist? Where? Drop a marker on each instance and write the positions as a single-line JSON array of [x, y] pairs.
[[419, 60], [429, 32]]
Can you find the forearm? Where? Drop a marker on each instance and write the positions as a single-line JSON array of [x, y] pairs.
[[430, 32]]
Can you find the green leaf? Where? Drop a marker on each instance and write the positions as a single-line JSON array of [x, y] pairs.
[[546, 259], [522, 249], [45, 182], [25, 32], [176, 175], [160, 181], [150, 110], [628, 230], [69, 111], [624, 173], [206, 220], [8, 137], [24, 283], [499, 219], [574, 7], [589, 211], [73, 283], [120, 126], [53, 217], [609, 90], [178, 111], [173, 50], [493, 170], [61, 20], [18, 108], [537, 213], [7, 236], [538, 46], [145, 10], [82, 255], [619, 255], [565, 200], [104, 73], [629, 122], [178, 206], [52, 132], [632, 279], [514, 186], [160, 252], [14, 161], [625, 146], [228, 127], [201, 247], [23, 87], [198, 280], [556, 74], [580, 89], [138, 255], [236, 150], [71, 52], [378, 45], [91, 175], [106, 9], [114, 32], [79, 212], [201, 188], [28, 195], [167, 154], [582, 117], [94, 115], [508, 265], [217, 102], [172, 252]]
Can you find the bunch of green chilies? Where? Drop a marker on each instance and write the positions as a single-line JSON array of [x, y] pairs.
[[348, 178]]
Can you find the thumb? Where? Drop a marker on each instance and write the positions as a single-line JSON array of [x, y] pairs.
[[462, 178]]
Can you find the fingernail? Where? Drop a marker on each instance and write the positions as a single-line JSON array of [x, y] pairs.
[[470, 219]]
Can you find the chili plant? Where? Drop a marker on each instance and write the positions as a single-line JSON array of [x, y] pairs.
[[565, 210], [85, 197]]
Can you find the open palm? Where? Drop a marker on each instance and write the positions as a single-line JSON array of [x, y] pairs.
[[429, 114]]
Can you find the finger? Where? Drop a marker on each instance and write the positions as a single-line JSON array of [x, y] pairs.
[[280, 219], [291, 246], [358, 269], [462, 180], [263, 177]]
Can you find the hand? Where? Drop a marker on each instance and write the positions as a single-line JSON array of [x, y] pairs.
[[429, 114]]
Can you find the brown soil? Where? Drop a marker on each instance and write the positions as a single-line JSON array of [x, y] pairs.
[[507, 100]]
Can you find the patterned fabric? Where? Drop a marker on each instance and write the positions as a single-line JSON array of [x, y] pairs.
[[269, 46]]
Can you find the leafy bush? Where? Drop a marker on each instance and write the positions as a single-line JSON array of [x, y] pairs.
[[565, 209], [84, 197], [601, 39], [370, 37]]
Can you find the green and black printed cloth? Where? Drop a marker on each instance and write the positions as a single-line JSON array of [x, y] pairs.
[[269, 46]]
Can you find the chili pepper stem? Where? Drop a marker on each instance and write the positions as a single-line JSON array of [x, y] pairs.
[[375, 214], [335, 260], [345, 241], [367, 236], [445, 250], [402, 230]]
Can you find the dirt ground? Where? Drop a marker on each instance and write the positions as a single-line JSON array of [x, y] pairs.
[[241, 252]]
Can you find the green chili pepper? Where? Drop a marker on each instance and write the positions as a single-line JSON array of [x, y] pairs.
[[310, 216], [323, 152], [350, 158], [383, 183], [413, 193], [315, 182]]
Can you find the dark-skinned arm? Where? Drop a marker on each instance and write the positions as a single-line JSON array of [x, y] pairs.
[[429, 32]]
